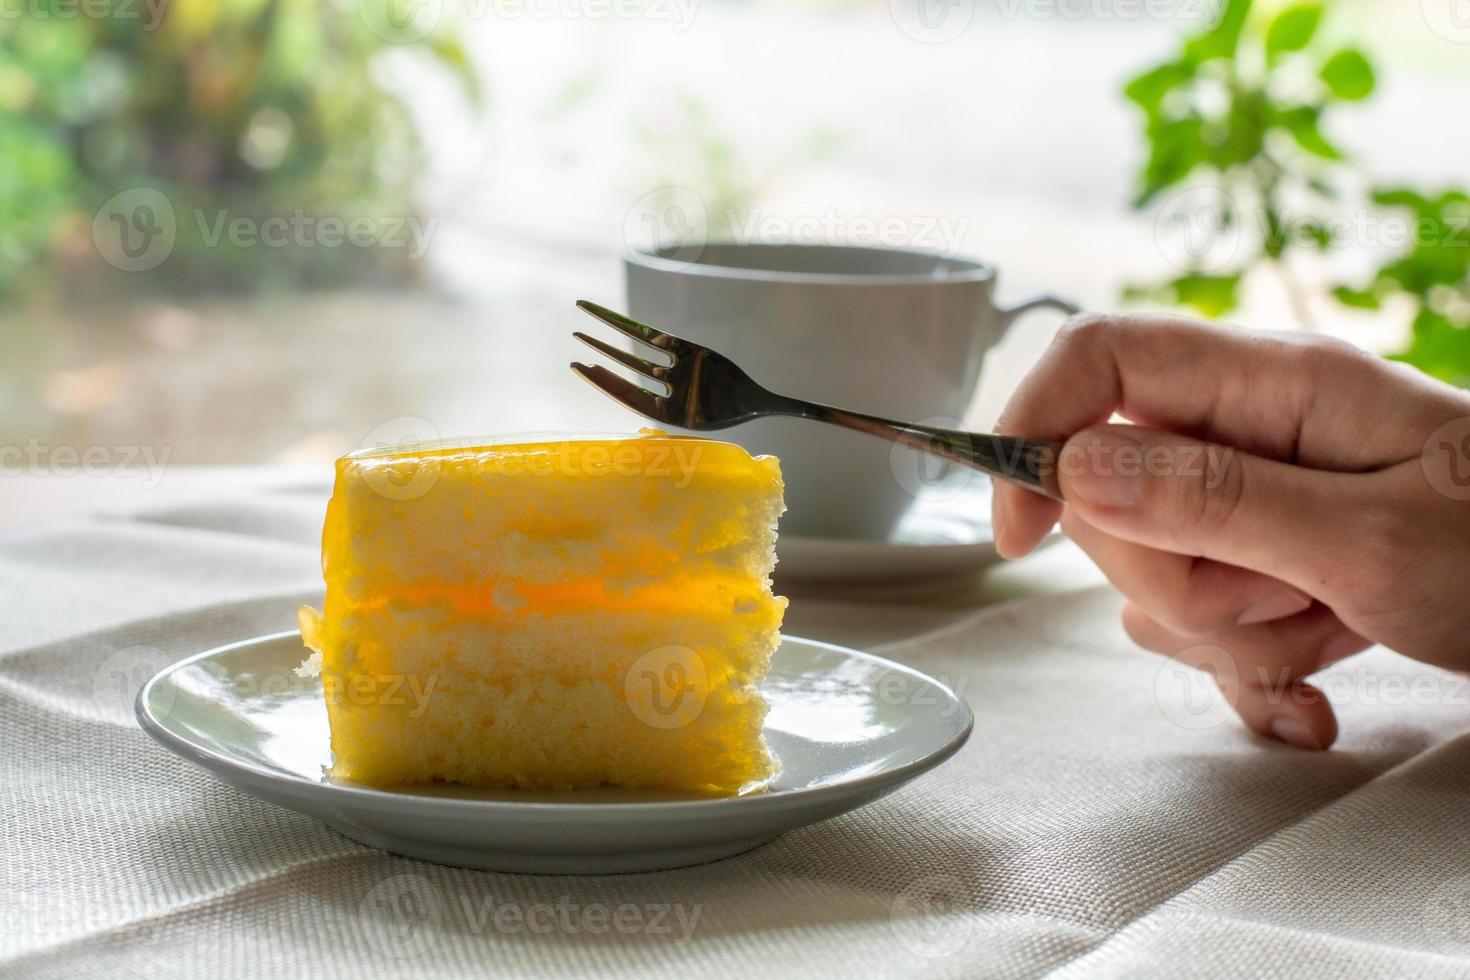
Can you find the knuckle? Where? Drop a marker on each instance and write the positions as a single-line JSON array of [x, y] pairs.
[[1078, 343], [1323, 355], [1085, 329]]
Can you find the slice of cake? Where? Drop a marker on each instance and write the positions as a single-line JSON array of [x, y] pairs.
[[550, 615]]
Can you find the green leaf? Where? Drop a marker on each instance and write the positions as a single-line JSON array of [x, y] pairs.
[[1244, 135], [1402, 197], [1348, 75], [1439, 348], [1360, 299], [1301, 122], [1293, 28], [1149, 89], [1211, 295], [1175, 147], [1221, 40], [1276, 238], [1318, 234]]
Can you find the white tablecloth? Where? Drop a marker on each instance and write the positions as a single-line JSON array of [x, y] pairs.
[[1097, 824]]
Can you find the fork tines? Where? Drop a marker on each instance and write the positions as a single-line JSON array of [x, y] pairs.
[[646, 403]]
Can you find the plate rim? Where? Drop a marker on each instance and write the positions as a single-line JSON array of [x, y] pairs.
[[298, 786]]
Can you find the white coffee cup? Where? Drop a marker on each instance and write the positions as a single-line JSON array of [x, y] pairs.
[[895, 333]]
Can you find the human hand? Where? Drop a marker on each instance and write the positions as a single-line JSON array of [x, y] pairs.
[[1286, 498]]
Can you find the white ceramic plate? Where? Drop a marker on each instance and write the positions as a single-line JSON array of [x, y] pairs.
[[944, 537], [848, 727]]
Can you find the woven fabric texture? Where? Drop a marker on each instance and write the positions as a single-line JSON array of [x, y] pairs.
[[1099, 822]]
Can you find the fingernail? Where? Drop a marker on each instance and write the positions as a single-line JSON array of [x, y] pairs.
[[1277, 605], [1103, 469], [1293, 732]]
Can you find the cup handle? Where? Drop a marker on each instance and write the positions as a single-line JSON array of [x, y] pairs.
[[1043, 301]]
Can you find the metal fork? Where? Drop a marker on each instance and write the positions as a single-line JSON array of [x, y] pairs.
[[706, 390]]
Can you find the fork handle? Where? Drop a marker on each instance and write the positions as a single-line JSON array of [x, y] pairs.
[[1029, 463]]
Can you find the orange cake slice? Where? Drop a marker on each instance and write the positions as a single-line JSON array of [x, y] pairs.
[[550, 615]]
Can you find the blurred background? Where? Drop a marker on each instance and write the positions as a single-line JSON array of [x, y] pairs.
[[270, 231]]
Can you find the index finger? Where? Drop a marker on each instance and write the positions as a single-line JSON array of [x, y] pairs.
[[1251, 391]]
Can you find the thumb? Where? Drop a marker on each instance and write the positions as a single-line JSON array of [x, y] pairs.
[[1178, 494]]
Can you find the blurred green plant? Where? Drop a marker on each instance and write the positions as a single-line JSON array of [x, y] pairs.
[[258, 108], [1237, 115]]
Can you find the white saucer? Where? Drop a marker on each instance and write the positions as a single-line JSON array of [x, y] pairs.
[[942, 537], [847, 727]]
